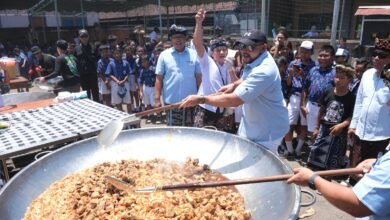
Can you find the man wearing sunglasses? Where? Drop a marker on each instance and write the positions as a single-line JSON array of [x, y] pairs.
[[370, 125], [87, 60], [265, 117]]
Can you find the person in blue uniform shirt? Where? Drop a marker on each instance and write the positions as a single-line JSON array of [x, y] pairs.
[[369, 198], [259, 91]]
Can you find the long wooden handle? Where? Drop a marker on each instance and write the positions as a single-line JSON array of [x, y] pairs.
[[327, 173], [155, 110]]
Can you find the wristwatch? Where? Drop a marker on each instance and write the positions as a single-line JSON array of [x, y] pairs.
[[202, 99], [310, 182]]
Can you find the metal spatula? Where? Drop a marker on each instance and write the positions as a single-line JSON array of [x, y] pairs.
[[109, 133]]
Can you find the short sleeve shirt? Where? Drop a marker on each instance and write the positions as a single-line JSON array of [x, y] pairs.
[[298, 81], [373, 190], [102, 65], [120, 69], [148, 76], [178, 70], [318, 81], [338, 108], [214, 76], [265, 116]]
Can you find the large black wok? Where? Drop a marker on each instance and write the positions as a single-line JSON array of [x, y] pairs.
[[233, 156]]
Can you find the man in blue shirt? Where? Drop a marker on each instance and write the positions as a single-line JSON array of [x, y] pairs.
[[319, 79], [369, 197], [370, 123], [178, 75], [265, 117]]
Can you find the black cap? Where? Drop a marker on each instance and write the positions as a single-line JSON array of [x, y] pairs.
[[83, 32], [177, 30], [252, 37], [217, 43], [35, 50]]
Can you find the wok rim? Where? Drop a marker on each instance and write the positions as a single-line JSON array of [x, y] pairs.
[[292, 215]]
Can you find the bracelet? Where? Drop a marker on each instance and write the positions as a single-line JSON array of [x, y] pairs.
[[202, 99], [310, 182]]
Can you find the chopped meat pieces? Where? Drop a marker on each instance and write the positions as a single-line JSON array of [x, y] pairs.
[[86, 194]]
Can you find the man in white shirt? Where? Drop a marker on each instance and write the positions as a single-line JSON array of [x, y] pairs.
[[215, 74], [370, 123]]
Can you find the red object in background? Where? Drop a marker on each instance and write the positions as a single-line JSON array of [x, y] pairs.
[[36, 70]]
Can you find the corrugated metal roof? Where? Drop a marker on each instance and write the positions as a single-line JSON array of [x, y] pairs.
[[373, 10]]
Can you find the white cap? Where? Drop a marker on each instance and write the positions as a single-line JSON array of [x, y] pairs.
[[307, 45], [342, 52]]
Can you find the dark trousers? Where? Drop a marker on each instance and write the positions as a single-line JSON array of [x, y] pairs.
[[362, 150], [89, 83]]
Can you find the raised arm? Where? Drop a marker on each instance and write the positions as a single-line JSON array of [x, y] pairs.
[[198, 33]]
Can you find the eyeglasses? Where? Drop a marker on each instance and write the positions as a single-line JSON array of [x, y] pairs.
[[380, 55]]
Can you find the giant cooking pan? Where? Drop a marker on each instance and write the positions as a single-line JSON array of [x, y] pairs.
[[231, 155]]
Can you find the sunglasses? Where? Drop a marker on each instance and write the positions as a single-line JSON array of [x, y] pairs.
[[380, 55], [84, 36], [251, 48]]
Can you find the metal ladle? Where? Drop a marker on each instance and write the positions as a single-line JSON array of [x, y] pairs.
[[111, 131]]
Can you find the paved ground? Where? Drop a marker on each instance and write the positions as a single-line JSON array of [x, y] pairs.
[[323, 209]]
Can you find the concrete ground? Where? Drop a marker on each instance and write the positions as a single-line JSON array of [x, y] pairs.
[[323, 210]]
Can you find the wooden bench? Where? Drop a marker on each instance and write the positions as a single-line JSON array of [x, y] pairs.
[[18, 83]]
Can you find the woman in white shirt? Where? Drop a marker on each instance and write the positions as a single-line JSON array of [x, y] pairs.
[[216, 72]]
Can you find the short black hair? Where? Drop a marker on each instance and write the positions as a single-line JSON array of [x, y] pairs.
[[62, 44], [281, 61], [362, 61], [328, 48]]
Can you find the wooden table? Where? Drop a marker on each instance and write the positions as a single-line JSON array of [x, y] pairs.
[[27, 105], [18, 83]]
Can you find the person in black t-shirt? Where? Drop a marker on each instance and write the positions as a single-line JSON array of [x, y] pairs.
[[66, 66], [43, 63], [328, 150], [87, 60]]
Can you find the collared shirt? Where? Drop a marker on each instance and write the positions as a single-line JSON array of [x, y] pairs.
[[148, 76], [298, 81], [371, 116], [102, 65], [214, 76], [373, 190], [318, 81], [178, 70], [265, 116], [120, 69]]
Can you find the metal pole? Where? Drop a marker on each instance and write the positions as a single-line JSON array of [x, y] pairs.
[[82, 13], [58, 23], [341, 18], [44, 28], [336, 10], [159, 12], [263, 11], [361, 30], [215, 15]]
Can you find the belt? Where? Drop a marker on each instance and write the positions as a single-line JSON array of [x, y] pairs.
[[316, 104]]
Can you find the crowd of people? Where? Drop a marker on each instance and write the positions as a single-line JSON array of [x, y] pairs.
[[276, 91]]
